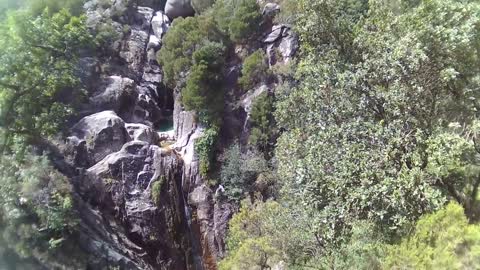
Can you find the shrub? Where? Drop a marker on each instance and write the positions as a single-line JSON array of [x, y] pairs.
[[157, 190], [36, 206], [261, 118], [73, 6], [106, 34], [254, 69], [442, 240]]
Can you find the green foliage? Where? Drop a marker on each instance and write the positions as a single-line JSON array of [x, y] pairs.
[[157, 190], [239, 171], [6, 5], [106, 34], [201, 5], [37, 212], [238, 18], [442, 240], [205, 149], [254, 70], [261, 118], [38, 83], [264, 234], [365, 249], [73, 6]]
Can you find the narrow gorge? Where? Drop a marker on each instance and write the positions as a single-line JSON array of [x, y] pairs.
[[144, 202]]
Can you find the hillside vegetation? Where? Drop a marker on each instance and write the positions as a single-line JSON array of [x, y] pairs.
[[364, 152]]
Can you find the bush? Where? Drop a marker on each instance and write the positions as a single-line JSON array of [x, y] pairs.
[[73, 6], [203, 92], [442, 240], [239, 171], [205, 149], [36, 206], [254, 69], [106, 34]]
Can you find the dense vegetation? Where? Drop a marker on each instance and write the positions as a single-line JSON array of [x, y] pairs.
[[379, 132], [39, 89]]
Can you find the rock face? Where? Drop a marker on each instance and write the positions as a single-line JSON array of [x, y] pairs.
[[115, 93], [156, 223], [178, 8]]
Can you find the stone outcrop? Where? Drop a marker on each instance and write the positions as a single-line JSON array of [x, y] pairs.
[[140, 132], [283, 40]]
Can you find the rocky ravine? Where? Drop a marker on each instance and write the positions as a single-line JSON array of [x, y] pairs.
[[120, 156]]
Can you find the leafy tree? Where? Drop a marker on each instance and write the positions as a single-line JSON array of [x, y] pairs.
[[240, 170], [254, 70], [238, 18], [38, 85], [364, 127], [365, 249], [73, 6], [264, 234], [442, 240], [185, 37]]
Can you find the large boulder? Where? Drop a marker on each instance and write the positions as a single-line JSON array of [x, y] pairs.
[[178, 8], [98, 135], [133, 51]]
